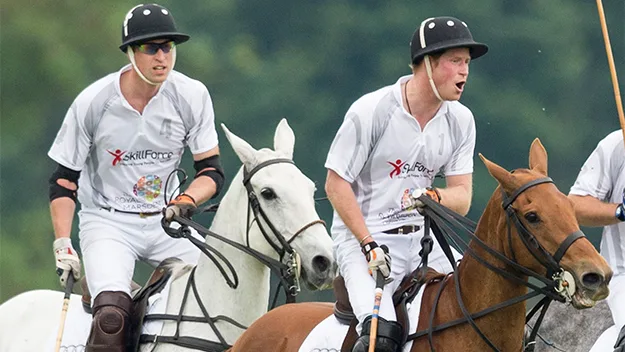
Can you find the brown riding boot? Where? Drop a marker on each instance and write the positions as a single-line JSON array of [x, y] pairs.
[[111, 319]]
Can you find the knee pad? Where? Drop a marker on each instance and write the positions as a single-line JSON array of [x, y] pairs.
[[389, 338], [111, 319]]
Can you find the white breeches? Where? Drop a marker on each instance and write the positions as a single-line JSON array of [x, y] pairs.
[[112, 242], [404, 250]]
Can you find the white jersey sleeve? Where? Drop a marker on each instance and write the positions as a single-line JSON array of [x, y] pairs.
[[462, 133], [352, 145], [202, 135], [73, 142], [599, 173]]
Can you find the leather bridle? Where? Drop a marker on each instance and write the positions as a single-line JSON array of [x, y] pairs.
[[559, 284], [284, 246], [550, 262], [287, 268]]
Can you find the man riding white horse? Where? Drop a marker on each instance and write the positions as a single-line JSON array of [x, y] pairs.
[[123, 136]]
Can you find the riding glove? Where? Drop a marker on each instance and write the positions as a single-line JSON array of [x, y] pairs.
[[66, 259], [183, 205], [378, 258]]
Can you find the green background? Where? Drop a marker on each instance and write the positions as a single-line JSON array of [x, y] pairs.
[[546, 76]]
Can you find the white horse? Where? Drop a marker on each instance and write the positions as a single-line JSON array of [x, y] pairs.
[[286, 204]]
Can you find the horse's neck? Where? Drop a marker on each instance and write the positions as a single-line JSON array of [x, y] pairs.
[[482, 288], [245, 303]]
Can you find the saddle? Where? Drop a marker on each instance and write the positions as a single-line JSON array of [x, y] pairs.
[[405, 293], [155, 284]]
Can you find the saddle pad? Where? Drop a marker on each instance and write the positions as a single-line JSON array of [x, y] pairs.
[[78, 322], [328, 335]]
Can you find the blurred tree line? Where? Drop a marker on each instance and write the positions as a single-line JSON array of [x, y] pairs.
[[546, 76]]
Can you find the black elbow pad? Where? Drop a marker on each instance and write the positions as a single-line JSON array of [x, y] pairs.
[[58, 191], [217, 174]]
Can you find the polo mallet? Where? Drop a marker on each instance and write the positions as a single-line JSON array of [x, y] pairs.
[[68, 292], [608, 49], [379, 288]]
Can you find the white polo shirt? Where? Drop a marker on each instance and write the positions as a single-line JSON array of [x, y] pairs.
[[603, 177], [125, 157], [382, 151]]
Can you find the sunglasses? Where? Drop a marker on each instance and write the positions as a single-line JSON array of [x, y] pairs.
[[152, 48]]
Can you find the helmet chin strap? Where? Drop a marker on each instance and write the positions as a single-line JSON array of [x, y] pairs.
[[428, 69], [131, 56]]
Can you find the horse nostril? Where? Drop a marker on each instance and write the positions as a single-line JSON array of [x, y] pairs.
[[321, 263], [592, 280]]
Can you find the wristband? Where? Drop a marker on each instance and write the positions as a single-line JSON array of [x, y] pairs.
[[363, 239], [181, 195], [435, 190], [368, 247], [620, 212]]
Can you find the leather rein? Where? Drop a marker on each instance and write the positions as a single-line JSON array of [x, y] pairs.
[[287, 268], [559, 284]]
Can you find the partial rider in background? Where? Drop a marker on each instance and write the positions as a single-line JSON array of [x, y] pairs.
[[599, 198]]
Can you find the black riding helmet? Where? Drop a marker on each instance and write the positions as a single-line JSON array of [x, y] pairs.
[[441, 33], [146, 22]]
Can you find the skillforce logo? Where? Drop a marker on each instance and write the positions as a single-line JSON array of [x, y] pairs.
[[123, 156], [404, 169]]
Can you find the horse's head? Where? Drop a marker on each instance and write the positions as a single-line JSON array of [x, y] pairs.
[[542, 233], [281, 198]]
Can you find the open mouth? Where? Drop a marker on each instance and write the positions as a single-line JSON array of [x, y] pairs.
[[160, 69], [460, 85], [580, 301]]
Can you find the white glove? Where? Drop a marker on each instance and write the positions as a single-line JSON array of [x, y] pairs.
[[66, 259], [183, 205], [378, 258]]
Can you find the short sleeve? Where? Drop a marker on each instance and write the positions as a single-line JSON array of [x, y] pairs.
[[202, 135], [461, 161], [73, 141], [596, 178], [350, 148]]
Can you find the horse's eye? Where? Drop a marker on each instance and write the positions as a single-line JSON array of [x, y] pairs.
[[532, 217], [268, 193]]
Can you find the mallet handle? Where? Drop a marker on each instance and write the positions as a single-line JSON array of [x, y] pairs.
[[373, 333], [608, 49], [68, 292]]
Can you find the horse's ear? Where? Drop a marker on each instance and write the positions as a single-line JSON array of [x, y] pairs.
[[503, 176], [538, 157], [284, 139], [245, 152]]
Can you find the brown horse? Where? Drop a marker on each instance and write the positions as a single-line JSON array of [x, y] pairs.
[[548, 218]]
